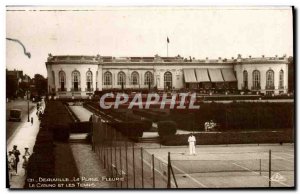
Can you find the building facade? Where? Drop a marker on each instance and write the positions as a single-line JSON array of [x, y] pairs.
[[81, 76]]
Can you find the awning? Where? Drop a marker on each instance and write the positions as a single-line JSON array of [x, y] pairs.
[[228, 75], [215, 75], [189, 76], [202, 75]]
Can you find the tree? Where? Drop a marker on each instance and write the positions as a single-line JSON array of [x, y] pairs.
[[40, 84]]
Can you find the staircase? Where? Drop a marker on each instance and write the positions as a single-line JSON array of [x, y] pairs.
[[149, 140], [78, 138]]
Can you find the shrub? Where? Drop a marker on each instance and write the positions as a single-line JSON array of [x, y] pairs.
[[166, 128], [147, 124], [133, 129], [61, 132]]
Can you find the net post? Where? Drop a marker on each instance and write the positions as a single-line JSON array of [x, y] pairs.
[[169, 169], [116, 168], [260, 166], [270, 168], [126, 161], [111, 157], [133, 163], [121, 167], [142, 161], [153, 171]]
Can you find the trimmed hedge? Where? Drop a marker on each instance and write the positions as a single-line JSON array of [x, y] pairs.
[[237, 116], [214, 138], [166, 128], [132, 130], [54, 126], [81, 127]]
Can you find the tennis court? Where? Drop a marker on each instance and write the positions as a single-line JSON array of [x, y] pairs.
[[230, 166]]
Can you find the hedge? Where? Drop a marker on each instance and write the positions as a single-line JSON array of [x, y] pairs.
[[133, 130], [166, 128], [237, 116], [213, 138], [54, 126]]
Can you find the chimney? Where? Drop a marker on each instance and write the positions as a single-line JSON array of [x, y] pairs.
[[206, 60], [250, 56], [219, 60]]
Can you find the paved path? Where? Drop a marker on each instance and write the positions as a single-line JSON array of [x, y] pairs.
[[24, 136], [82, 113], [90, 168], [11, 127]]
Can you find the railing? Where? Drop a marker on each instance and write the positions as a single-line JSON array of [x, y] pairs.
[[89, 89], [75, 89], [255, 87], [270, 87], [61, 89]]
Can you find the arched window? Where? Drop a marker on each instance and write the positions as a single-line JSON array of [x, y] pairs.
[[245, 79], [270, 79], [62, 80], [76, 80], [281, 79], [168, 80], [121, 78], [89, 81], [134, 78], [107, 78], [256, 79], [148, 79]]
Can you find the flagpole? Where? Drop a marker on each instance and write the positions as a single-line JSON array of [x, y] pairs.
[[168, 46]]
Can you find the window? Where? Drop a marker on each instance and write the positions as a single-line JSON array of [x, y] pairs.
[[245, 79], [168, 80], [76, 80], [89, 81], [107, 78], [134, 78], [281, 79], [62, 80], [256, 79], [148, 78], [270, 79], [121, 79]]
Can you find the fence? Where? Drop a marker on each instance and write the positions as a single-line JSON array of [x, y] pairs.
[[128, 165], [131, 166]]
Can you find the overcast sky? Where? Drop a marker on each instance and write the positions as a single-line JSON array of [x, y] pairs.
[[197, 32]]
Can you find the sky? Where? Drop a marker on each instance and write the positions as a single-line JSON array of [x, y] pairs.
[[198, 32]]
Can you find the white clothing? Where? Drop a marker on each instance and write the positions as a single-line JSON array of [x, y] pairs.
[[192, 144]]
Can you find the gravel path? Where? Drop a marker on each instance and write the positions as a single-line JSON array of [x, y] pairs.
[[89, 166], [82, 113]]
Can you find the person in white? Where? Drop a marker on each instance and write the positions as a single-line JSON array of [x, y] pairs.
[[192, 144]]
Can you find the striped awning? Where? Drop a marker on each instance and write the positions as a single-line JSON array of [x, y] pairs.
[[215, 75], [189, 76], [202, 75], [228, 75]]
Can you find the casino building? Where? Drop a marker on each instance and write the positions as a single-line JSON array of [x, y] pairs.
[[80, 76]]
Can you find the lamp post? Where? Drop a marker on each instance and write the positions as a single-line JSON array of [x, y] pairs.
[[27, 107]]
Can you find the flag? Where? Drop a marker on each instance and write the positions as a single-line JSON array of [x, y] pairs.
[[168, 41]]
